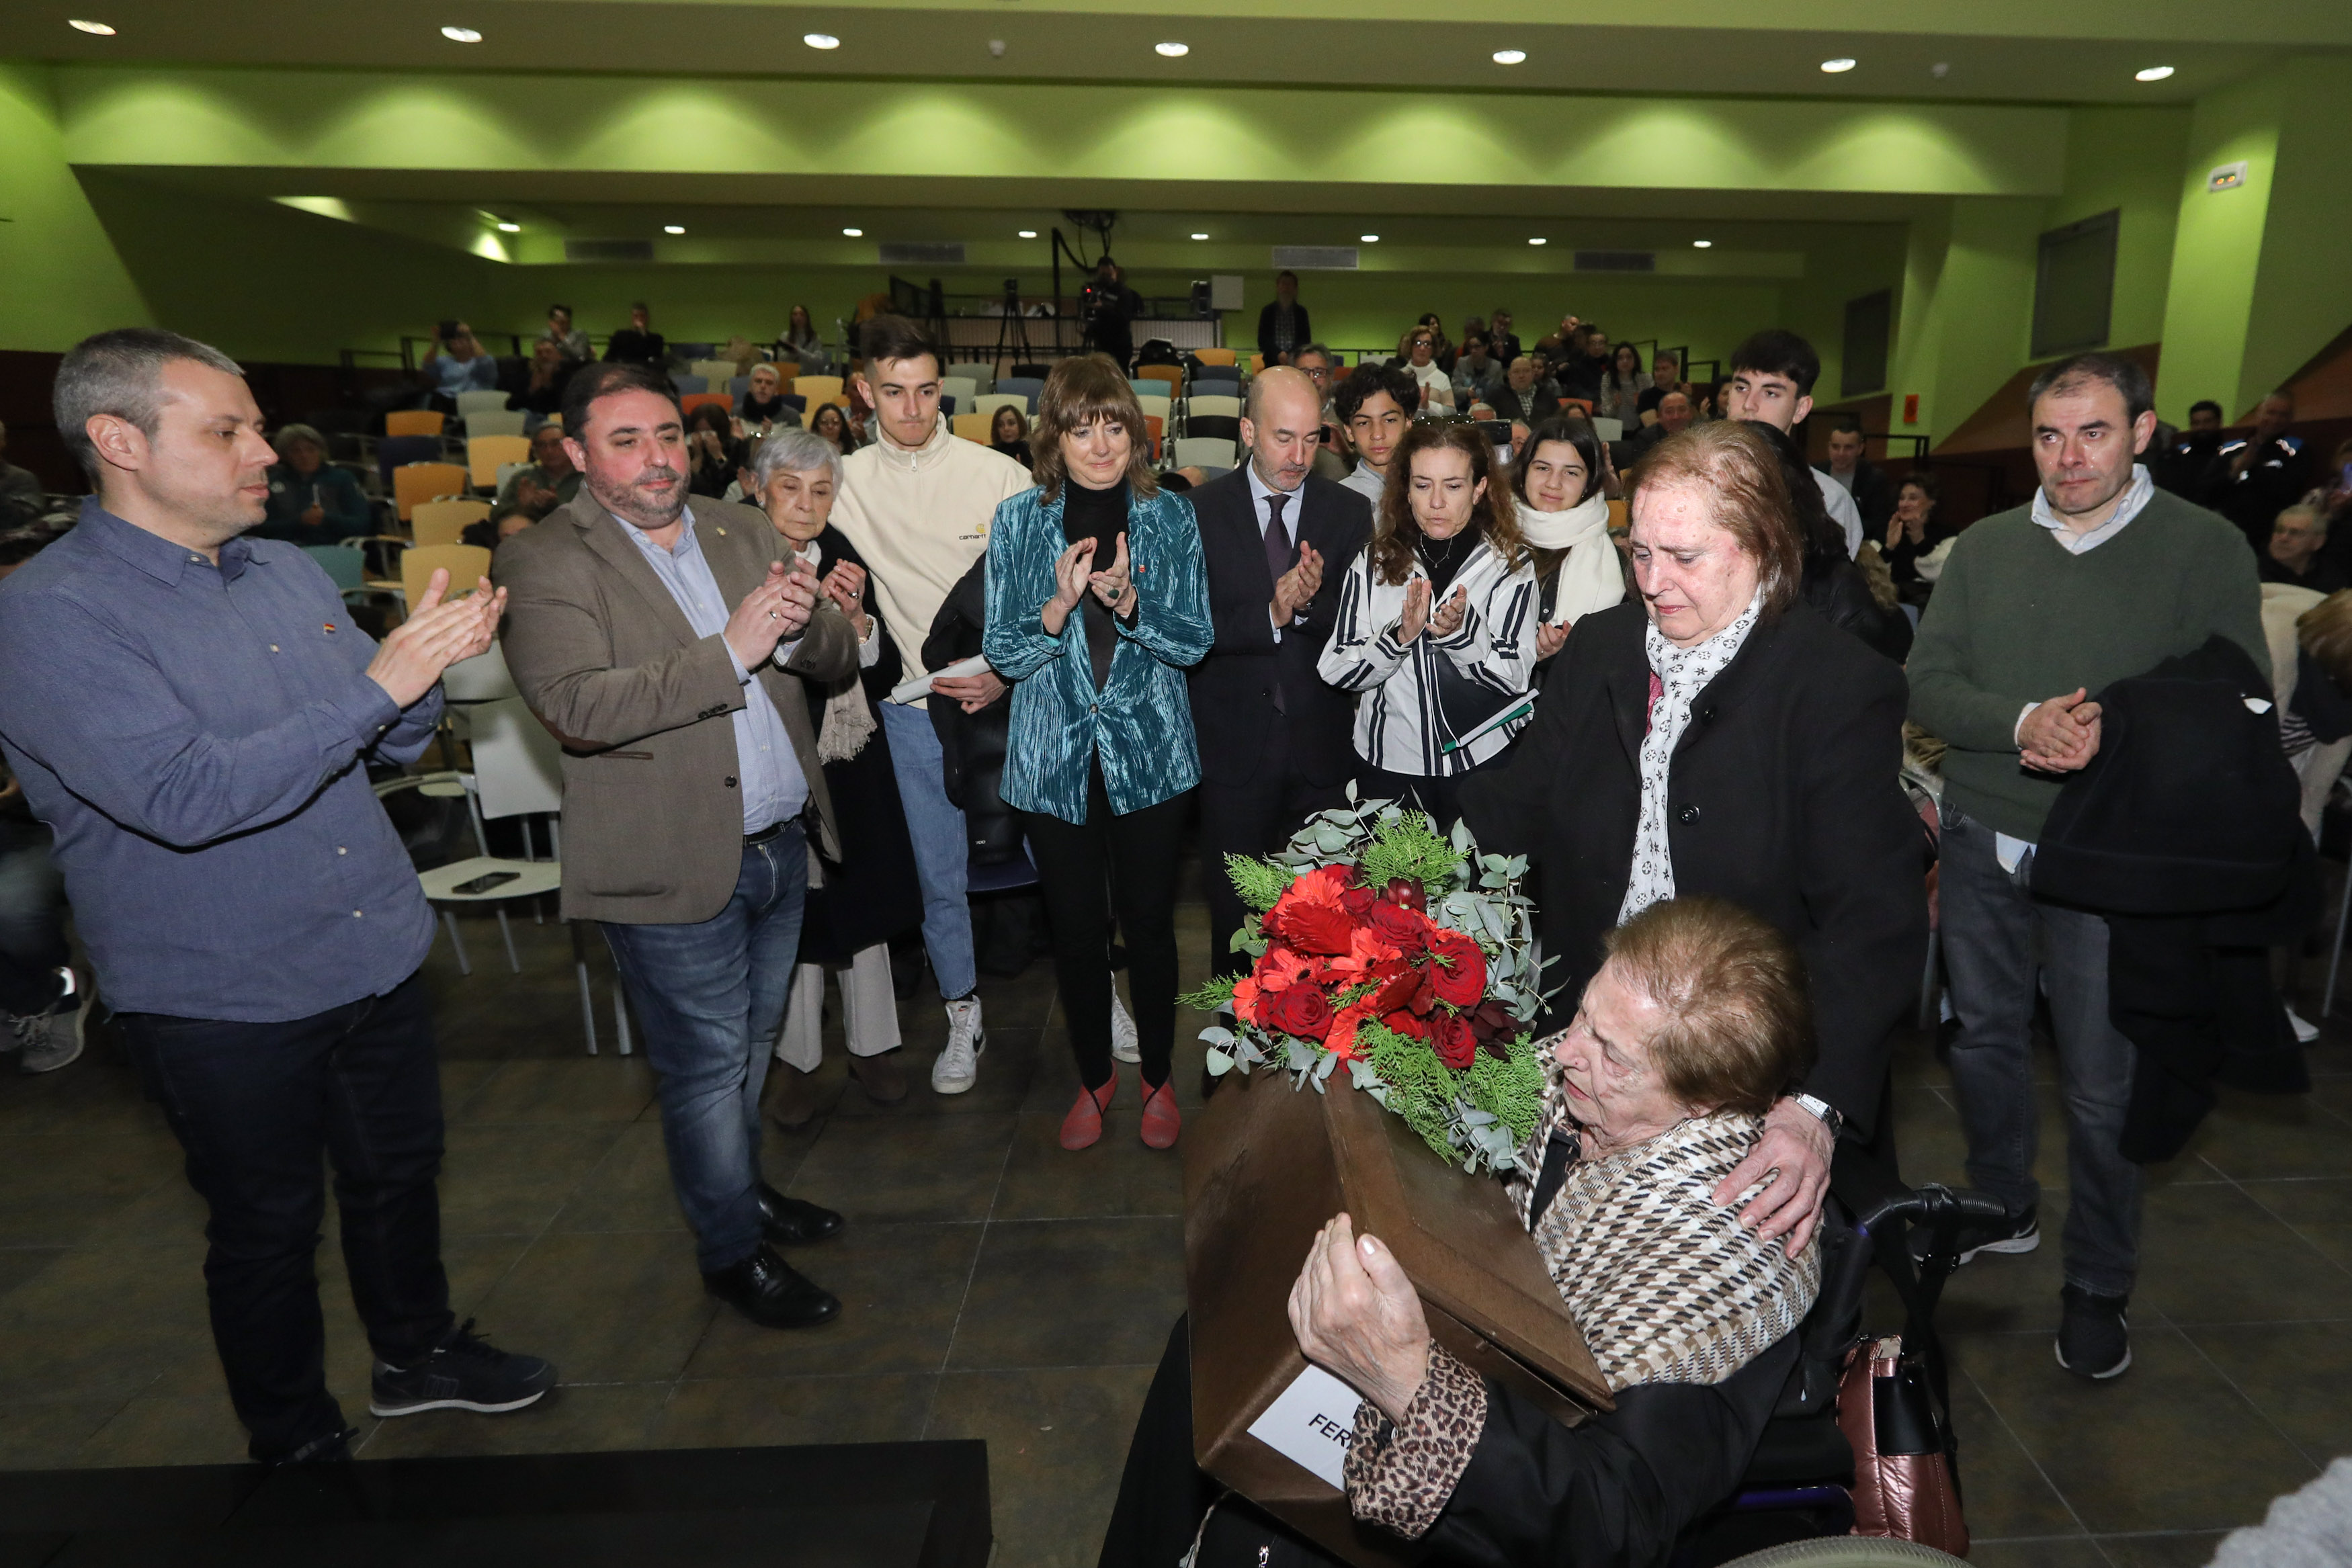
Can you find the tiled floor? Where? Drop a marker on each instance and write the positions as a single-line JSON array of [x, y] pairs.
[[997, 1287]]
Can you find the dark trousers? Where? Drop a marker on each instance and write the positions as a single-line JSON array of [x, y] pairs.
[[254, 1106], [1255, 816], [711, 997], [32, 921], [1086, 869], [1439, 794]]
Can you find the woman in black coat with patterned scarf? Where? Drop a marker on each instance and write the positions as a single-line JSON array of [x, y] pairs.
[[853, 908]]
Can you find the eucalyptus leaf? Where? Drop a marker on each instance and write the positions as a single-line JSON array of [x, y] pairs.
[[1217, 1034], [1219, 1063]]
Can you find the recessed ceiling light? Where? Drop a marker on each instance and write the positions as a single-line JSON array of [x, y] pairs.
[[1539, 240], [853, 234], [1199, 237], [1369, 239], [508, 226], [1510, 56], [2153, 73], [1174, 51], [1028, 234], [673, 228], [1702, 245], [100, 28], [461, 34], [820, 40], [1838, 65]]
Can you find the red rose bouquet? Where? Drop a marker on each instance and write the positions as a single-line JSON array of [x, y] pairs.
[[1406, 954]]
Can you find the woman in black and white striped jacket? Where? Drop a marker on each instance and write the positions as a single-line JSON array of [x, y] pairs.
[[1437, 625]]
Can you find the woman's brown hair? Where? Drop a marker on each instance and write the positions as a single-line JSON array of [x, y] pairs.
[[1738, 1028], [1492, 515], [1741, 475], [1081, 390]]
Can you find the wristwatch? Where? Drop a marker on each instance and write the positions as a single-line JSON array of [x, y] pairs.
[[1831, 1117]]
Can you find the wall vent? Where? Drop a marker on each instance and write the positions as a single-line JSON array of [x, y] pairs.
[[608, 250], [1316, 258], [935, 253]]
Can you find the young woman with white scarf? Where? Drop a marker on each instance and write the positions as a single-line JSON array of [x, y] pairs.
[[1719, 736], [1436, 622], [1564, 518]]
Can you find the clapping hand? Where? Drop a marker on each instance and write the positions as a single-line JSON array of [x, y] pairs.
[[1115, 586], [438, 633], [1072, 570], [770, 613], [1415, 614], [1448, 619], [1298, 587], [845, 586]]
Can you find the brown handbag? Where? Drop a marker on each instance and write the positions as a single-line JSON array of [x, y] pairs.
[[1902, 1480]]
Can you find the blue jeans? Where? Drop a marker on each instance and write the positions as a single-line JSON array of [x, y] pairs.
[[1999, 941], [254, 1106], [942, 855], [710, 997], [32, 921]]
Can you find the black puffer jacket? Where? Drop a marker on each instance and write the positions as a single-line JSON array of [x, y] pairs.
[[973, 745]]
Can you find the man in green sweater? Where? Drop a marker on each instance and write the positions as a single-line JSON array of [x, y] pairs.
[[2103, 576]]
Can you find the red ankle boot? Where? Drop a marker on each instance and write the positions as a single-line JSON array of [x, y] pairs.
[[1083, 1126]]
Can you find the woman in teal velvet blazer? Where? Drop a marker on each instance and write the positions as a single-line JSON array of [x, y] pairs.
[[1096, 600]]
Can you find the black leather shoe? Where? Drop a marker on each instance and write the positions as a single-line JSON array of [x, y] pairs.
[[789, 1222], [772, 1293]]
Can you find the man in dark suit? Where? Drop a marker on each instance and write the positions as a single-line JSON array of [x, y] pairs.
[[1275, 738], [1520, 398], [1282, 326]]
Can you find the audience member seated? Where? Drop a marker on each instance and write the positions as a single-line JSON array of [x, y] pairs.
[[714, 449], [311, 502], [1476, 376], [800, 344], [455, 363], [2296, 540], [2181, 466], [503, 523], [571, 342], [1446, 352], [1561, 487], [1620, 389], [1435, 628], [549, 481], [1658, 1096], [1673, 416], [1584, 363], [1009, 433], [2254, 478], [833, 424], [2311, 675], [1374, 407], [1418, 359], [765, 404], [1282, 324], [1913, 536], [542, 390], [1764, 770], [23, 502], [1873, 496], [1665, 376], [1518, 397], [638, 343]]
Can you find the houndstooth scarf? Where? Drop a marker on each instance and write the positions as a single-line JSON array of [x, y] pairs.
[[1678, 676]]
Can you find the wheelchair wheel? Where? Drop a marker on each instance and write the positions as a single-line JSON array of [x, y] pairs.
[[1846, 1552]]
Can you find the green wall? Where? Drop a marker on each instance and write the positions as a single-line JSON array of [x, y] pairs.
[[2302, 295], [61, 278]]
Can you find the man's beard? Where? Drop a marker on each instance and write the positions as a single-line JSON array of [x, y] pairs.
[[641, 511]]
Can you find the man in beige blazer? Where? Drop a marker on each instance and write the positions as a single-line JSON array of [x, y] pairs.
[[664, 644]]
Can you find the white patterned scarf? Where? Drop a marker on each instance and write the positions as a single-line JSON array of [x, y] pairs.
[[1683, 674]]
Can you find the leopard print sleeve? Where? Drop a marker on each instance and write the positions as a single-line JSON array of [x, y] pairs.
[[1400, 1477]]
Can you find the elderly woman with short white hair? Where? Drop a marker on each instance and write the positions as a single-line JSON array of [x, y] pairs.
[[854, 908], [1720, 736]]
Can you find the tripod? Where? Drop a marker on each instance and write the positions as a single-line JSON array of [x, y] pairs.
[[1013, 330]]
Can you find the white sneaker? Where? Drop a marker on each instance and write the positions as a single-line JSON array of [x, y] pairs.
[[959, 1062], [2303, 1032], [1123, 1045]]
